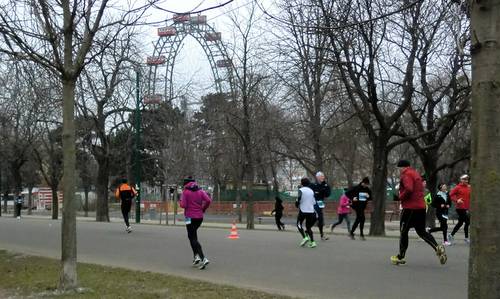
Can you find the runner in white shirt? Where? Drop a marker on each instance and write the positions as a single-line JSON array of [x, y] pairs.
[[305, 202]]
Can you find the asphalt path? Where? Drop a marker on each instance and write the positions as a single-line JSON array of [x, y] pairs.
[[263, 260]]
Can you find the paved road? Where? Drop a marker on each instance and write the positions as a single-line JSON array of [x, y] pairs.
[[263, 260]]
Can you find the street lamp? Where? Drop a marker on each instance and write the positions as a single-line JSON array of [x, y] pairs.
[[137, 156]]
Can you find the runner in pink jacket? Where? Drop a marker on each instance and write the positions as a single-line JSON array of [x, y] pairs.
[[195, 202], [343, 210]]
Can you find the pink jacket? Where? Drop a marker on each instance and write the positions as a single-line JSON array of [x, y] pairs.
[[194, 200], [344, 206]]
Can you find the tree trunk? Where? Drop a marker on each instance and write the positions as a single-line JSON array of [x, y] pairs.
[[379, 185], [102, 209], [250, 204], [484, 264], [86, 207], [55, 201], [30, 199], [430, 166], [238, 202], [16, 175], [68, 227]]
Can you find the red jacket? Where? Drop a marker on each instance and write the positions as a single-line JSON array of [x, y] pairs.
[[461, 191], [411, 190]]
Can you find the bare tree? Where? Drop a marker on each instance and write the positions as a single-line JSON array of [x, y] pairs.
[[104, 93], [59, 35]]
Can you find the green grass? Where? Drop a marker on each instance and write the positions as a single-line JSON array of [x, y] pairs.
[[23, 276]]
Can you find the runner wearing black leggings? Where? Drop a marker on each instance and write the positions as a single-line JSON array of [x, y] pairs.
[[441, 203], [460, 195], [411, 194], [195, 202], [306, 202]]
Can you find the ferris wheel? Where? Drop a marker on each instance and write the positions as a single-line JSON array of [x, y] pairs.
[[170, 38]]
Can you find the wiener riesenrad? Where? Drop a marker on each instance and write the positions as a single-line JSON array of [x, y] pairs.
[[160, 82]]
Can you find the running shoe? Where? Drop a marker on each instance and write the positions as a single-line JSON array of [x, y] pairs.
[[467, 240], [324, 238], [196, 260], [451, 238], [304, 241], [128, 229], [18, 217], [312, 244], [204, 263], [446, 243], [395, 260], [351, 235], [441, 253]]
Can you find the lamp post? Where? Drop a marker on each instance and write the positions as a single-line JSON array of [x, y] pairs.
[[137, 156]]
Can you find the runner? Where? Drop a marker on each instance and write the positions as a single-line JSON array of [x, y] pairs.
[[460, 195], [19, 201], [306, 202], [278, 213], [321, 192], [441, 203], [359, 196], [343, 210], [411, 194], [125, 193], [195, 202]]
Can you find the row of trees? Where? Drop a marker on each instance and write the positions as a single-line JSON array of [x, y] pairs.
[[322, 87]]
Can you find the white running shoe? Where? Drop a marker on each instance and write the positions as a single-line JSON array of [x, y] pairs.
[[196, 260], [128, 229], [446, 243], [204, 264], [467, 240]]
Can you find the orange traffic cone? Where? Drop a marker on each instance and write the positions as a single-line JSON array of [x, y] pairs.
[[234, 232]]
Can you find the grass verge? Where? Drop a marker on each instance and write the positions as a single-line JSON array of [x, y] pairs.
[[25, 276]]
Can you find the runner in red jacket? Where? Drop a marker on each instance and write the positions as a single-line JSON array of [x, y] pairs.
[[411, 194], [460, 195]]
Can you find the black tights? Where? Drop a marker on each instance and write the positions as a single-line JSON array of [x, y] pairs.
[[443, 226], [463, 217], [310, 219], [321, 221], [192, 229], [360, 219], [415, 219], [279, 224], [126, 206]]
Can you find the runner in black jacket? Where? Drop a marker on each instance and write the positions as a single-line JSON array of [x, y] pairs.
[[441, 202], [359, 196], [321, 192]]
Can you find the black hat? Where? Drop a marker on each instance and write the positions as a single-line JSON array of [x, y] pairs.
[[403, 163], [366, 180], [189, 179]]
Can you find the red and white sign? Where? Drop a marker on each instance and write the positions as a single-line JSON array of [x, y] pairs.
[[180, 18], [155, 60], [167, 31], [45, 198]]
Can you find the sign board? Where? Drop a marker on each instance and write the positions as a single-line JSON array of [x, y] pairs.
[[167, 31], [155, 60]]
